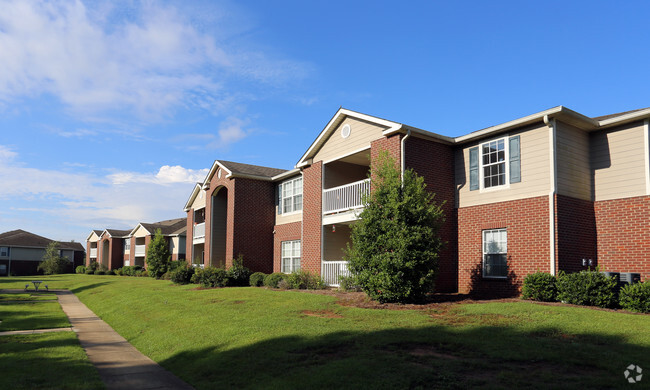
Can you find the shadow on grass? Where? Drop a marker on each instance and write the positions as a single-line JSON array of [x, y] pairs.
[[30, 315], [79, 289], [448, 356], [47, 361]]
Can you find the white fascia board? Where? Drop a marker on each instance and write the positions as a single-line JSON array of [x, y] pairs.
[[136, 228], [91, 233], [625, 118], [246, 176], [284, 175], [213, 170], [193, 195], [392, 126], [415, 130]]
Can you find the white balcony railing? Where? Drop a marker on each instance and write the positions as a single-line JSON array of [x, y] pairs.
[[345, 197], [140, 250], [93, 253], [199, 230], [333, 270]]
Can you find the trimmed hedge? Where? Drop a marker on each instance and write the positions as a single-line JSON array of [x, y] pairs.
[[257, 279], [238, 275], [80, 269], [210, 277], [273, 279], [636, 297], [540, 286], [588, 288], [182, 274], [303, 280]]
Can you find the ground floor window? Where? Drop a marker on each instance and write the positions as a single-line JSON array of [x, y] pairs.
[[4, 251], [290, 256], [495, 253]]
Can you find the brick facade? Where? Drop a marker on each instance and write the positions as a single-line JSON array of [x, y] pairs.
[[527, 222], [284, 232], [312, 214], [435, 163], [575, 233], [623, 230]]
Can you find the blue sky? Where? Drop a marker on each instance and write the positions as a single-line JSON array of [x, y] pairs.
[[109, 111]]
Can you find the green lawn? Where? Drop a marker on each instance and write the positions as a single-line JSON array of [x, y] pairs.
[[31, 315], [258, 338]]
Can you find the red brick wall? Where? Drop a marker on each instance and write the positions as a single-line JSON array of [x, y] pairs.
[[284, 232], [435, 163], [189, 241], [390, 144], [623, 227], [215, 184], [312, 214], [528, 244], [116, 253], [575, 233], [254, 217]]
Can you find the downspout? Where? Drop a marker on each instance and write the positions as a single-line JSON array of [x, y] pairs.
[[402, 155], [551, 195]]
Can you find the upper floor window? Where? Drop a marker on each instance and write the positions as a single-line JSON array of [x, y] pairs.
[[495, 163], [4, 251], [127, 245], [290, 196]]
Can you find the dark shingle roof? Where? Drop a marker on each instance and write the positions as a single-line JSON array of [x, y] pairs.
[[27, 239], [118, 233], [247, 169], [169, 227]]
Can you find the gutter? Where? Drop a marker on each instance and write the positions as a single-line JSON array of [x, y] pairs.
[[551, 195], [402, 155]]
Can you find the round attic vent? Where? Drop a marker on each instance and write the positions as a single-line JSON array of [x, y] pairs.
[[219, 173], [345, 131]]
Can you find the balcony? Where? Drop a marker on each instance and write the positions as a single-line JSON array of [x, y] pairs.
[[140, 250], [198, 235], [332, 271], [93, 253], [346, 197]]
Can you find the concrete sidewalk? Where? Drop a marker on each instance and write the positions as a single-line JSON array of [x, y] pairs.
[[119, 364]]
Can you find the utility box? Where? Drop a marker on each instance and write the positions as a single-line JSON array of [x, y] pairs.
[[630, 277], [610, 274]]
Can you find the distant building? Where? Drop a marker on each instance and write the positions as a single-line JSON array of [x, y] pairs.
[[21, 252]]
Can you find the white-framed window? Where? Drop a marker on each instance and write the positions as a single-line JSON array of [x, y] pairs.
[[127, 246], [290, 256], [495, 253], [290, 196], [493, 163], [4, 251]]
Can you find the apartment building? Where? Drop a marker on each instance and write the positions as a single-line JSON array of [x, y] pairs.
[[555, 190]]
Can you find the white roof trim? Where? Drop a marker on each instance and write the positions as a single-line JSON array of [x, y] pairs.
[[284, 175], [91, 233], [213, 170], [305, 159], [195, 191], [136, 228], [625, 118]]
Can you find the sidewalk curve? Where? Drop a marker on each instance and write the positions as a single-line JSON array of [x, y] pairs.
[[119, 364]]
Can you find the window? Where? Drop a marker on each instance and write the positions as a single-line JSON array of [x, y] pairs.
[[4, 251], [495, 253], [493, 156], [127, 245], [494, 163], [290, 196], [290, 256]]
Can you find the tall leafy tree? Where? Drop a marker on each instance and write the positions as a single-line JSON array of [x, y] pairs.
[[53, 263], [158, 256], [395, 244]]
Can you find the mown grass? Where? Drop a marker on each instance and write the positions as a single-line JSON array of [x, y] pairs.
[[28, 297], [46, 361], [258, 338], [31, 315]]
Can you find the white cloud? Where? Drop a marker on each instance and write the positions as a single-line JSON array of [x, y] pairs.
[[150, 62], [51, 201]]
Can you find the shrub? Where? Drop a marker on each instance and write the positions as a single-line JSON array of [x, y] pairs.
[[182, 274], [347, 283], [103, 267], [92, 267], [540, 286], [90, 271], [257, 279], [212, 277], [53, 263], [198, 276], [303, 280], [238, 275], [100, 272], [636, 297], [118, 272], [395, 244], [80, 269], [173, 265], [273, 279], [131, 270], [284, 284], [158, 256], [589, 288], [166, 276], [110, 272]]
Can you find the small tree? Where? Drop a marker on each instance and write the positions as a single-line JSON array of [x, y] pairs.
[[395, 243], [158, 256], [53, 263]]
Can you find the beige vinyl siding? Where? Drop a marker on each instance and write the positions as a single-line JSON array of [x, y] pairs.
[[199, 201], [361, 134], [27, 254], [572, 156], [177, 245], [334, 243], [281, 219], [535, 165], [618, 162], [93, 237], [140, 232]]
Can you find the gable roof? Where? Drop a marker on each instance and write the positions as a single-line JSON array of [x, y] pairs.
[[116, 233], [195, 192], [21, 238], [170, 227], [235, 169], [97, 232]]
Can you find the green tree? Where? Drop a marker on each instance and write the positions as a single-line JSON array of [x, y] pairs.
[[53, 263], [158, 256], [395, 244]]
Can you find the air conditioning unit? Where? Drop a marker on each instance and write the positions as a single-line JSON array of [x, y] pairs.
[[630, 277]]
